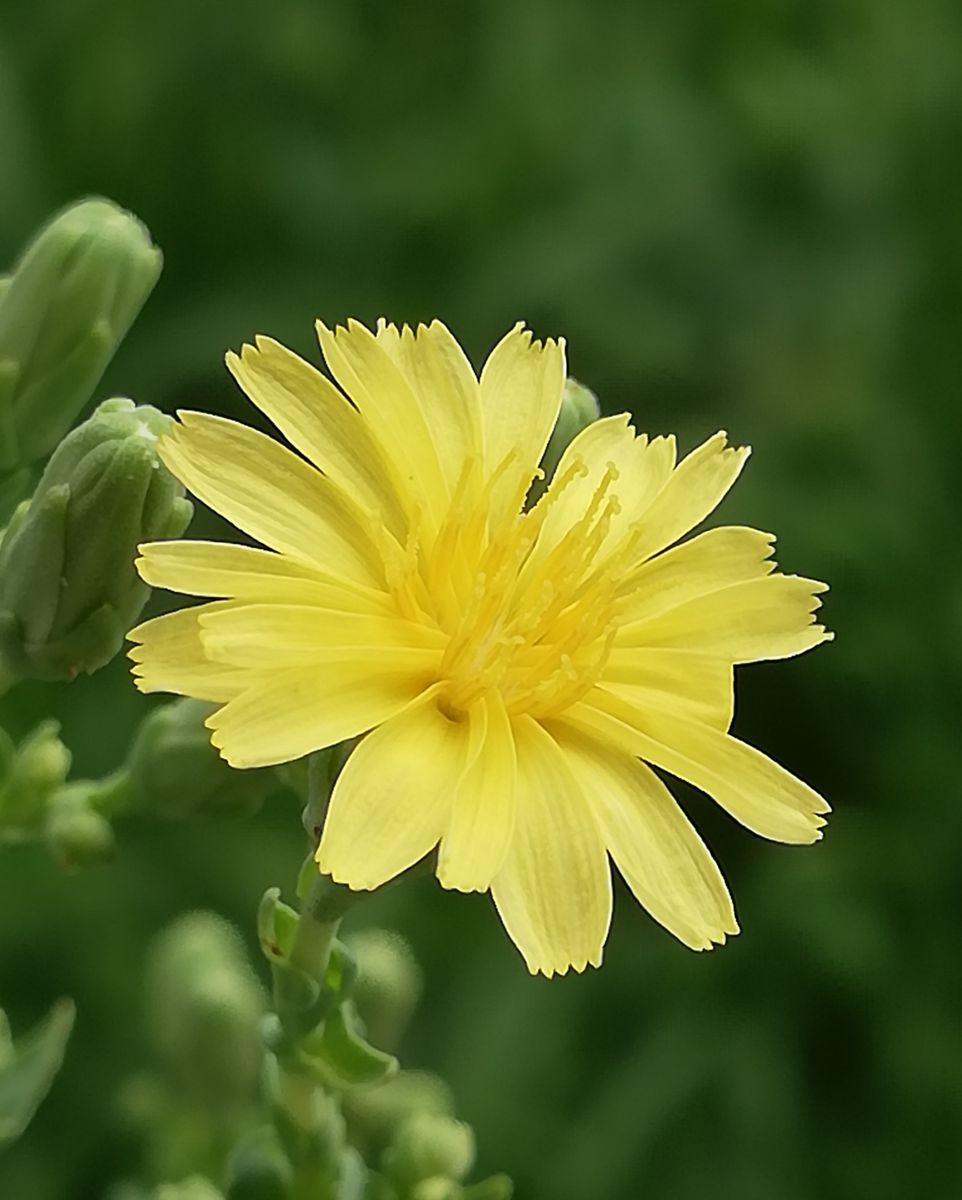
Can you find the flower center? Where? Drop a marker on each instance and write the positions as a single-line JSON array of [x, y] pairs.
[[532, 619]]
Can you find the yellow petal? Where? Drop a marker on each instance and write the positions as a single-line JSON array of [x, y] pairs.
[[245, 573], [392, 411], [698, 686], [606, 456], [296, 711], [707, 563], [320, 422], [521, 386], [289, 635], [273, 495], [761, 619], [695, 488], [481, 824], [447, 389], [169, 657], [653, 844], [553, 892], [391, 801], [756, 791]]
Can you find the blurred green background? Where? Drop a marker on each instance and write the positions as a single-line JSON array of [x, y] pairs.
[[742, 215]]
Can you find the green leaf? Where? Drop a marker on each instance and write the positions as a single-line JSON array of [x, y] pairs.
[[341, 1054], [27, 1073]]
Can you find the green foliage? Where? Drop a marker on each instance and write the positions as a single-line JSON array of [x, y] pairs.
[[741, 216], [29, 1066]]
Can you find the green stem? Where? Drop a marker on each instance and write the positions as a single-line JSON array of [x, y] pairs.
[[321, 913], [114, 795], [307, 1103]]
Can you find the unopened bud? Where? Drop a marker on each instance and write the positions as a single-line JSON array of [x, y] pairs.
[[258, 1168], [68, 587], [388, 984], [204, 1005], [426, 1146], [77, 835], [197, 1187], [29, 775], [176, 772], [579, 408], [63, 311], [376, 1113]]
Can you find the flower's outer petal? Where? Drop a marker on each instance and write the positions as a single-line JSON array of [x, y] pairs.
[[748, 622], [756, 791], [392, 800], [697, 686], [653, 844], [271, 494], [695, 488], [553, 892], [447, 388], [481, 824], [289, 635], [521, 386], [169, 657], [246, 573], [293, 712], [393, 413], [320, 422], [707, 563], [605, 455]]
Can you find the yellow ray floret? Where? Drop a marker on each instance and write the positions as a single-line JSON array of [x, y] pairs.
[[516, 670]]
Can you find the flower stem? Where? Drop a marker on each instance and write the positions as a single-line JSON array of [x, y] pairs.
[[321, 913]]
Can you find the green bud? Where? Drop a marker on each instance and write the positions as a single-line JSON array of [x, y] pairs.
[[64, 310], [68, 587], [579, 408], [437, 1188], [197, 1187], [425, 1146], [77, 835], [388, 984], [204, 1005], [374, 1114], [29, 775], [258, 1168], [176, 772]]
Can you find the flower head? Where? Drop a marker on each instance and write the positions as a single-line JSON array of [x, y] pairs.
[[517, 671]]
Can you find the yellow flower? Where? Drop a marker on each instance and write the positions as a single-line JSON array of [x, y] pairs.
[[515, 672]]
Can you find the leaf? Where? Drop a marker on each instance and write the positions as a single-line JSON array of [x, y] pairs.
[[340, 1052], [27, 1073]]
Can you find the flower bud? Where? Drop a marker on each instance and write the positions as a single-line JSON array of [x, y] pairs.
[[204, 1005], [375, 1114], [258, 1169], [197, 1187], [64, 310], [176, 772], [579, 408], [426, 1146], [437, 1188], [68, 587], [77, 835], [29, 775], [388, 984]]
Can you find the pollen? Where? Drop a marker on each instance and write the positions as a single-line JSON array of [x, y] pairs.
[[536, 628]]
